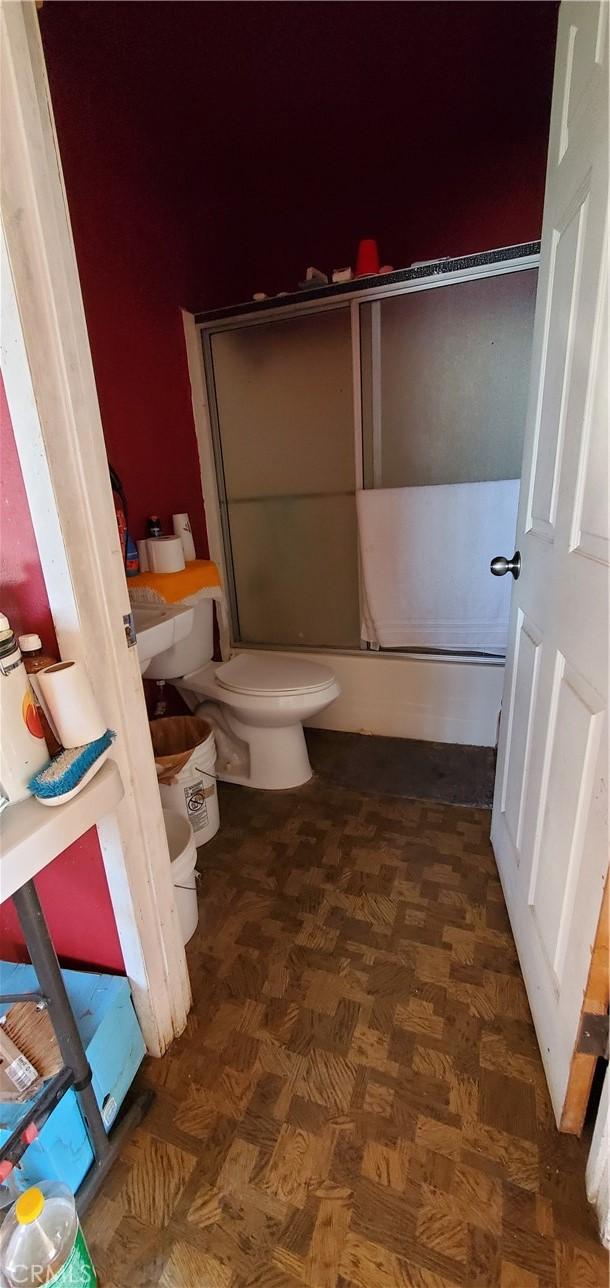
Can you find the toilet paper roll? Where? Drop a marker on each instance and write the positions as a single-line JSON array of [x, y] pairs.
[[143, 554], [165, 554], [182, 528], [68, 694]]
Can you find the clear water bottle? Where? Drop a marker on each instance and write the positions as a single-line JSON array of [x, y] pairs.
[[41, 1241]]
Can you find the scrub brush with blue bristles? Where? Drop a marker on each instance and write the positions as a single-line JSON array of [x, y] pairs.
[[67, 772]]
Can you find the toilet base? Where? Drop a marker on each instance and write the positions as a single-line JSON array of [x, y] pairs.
[[278, 756], [262, 786]]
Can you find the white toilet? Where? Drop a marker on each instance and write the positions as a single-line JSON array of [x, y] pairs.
[[256, 703]]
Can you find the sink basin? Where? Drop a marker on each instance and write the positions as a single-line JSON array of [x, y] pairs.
[[158, 626]]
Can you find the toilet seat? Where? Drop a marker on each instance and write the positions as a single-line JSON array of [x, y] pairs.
[[268, 675]]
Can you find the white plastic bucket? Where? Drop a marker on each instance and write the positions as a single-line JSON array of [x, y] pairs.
[[192, 790], [183, 855]]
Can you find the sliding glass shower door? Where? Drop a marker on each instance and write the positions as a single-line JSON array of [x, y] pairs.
[[406, 397], [445, 381], [445, 384], [285, 456]]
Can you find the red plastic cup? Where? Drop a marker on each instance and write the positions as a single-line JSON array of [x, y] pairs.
[[367, 259]]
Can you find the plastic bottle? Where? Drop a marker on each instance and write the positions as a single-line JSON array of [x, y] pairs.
[[23, 750], [120, 520], [35, 660], [132, 559], [41, 1241], [153, 525]]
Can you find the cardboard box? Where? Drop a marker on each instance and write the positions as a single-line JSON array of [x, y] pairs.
[[18, 1077], [28, 1025]]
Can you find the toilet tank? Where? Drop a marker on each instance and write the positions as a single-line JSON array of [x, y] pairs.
[[194, 651]]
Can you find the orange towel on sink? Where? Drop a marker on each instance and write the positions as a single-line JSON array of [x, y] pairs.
[[173, 587]]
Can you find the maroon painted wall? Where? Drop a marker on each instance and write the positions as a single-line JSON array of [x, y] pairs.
[[422, 124], [211, 150], [131, 259], [72, 889]]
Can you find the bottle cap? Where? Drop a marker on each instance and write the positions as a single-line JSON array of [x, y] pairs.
[[5, 625], [29, 1206], [28, 643]]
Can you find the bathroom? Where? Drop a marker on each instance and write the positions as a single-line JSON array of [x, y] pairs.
[[486, 194], [212, 152]]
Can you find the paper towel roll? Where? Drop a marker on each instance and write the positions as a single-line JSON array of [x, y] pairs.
[[143, 554], [165, 554], [68, 694], [182, 528]]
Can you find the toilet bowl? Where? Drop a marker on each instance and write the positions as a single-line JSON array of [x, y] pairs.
[[256, 704]]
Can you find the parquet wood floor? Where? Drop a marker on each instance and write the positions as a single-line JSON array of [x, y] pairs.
[[358, 1100]]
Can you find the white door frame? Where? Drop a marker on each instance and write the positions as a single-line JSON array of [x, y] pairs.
[[52, 399]]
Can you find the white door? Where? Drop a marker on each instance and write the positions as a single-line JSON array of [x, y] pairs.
[[549, 817]]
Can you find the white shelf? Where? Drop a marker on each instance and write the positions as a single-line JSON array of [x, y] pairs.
[[32, 835]]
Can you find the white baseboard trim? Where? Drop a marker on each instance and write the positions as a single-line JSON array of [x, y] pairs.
[[435, 699]]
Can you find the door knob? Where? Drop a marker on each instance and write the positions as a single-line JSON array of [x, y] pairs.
[[500, 566]]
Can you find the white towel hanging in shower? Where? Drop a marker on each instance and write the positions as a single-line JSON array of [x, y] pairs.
[[425, 555]]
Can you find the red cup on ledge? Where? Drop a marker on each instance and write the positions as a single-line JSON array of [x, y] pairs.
[[367, 259]]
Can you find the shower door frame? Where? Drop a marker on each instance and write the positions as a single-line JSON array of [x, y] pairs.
[[199, 333], [223, 503]]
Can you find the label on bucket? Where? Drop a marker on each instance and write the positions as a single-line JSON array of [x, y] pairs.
[[196, 805]]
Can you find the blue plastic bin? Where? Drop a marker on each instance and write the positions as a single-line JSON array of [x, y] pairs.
[[115, 1048]]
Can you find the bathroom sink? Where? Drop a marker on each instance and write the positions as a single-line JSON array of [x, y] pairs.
[[158, 626]]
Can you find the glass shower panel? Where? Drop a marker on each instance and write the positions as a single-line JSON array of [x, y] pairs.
[[284, 399], [448, 393]]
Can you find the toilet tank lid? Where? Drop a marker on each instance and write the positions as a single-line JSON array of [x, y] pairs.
[[260, 673]]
